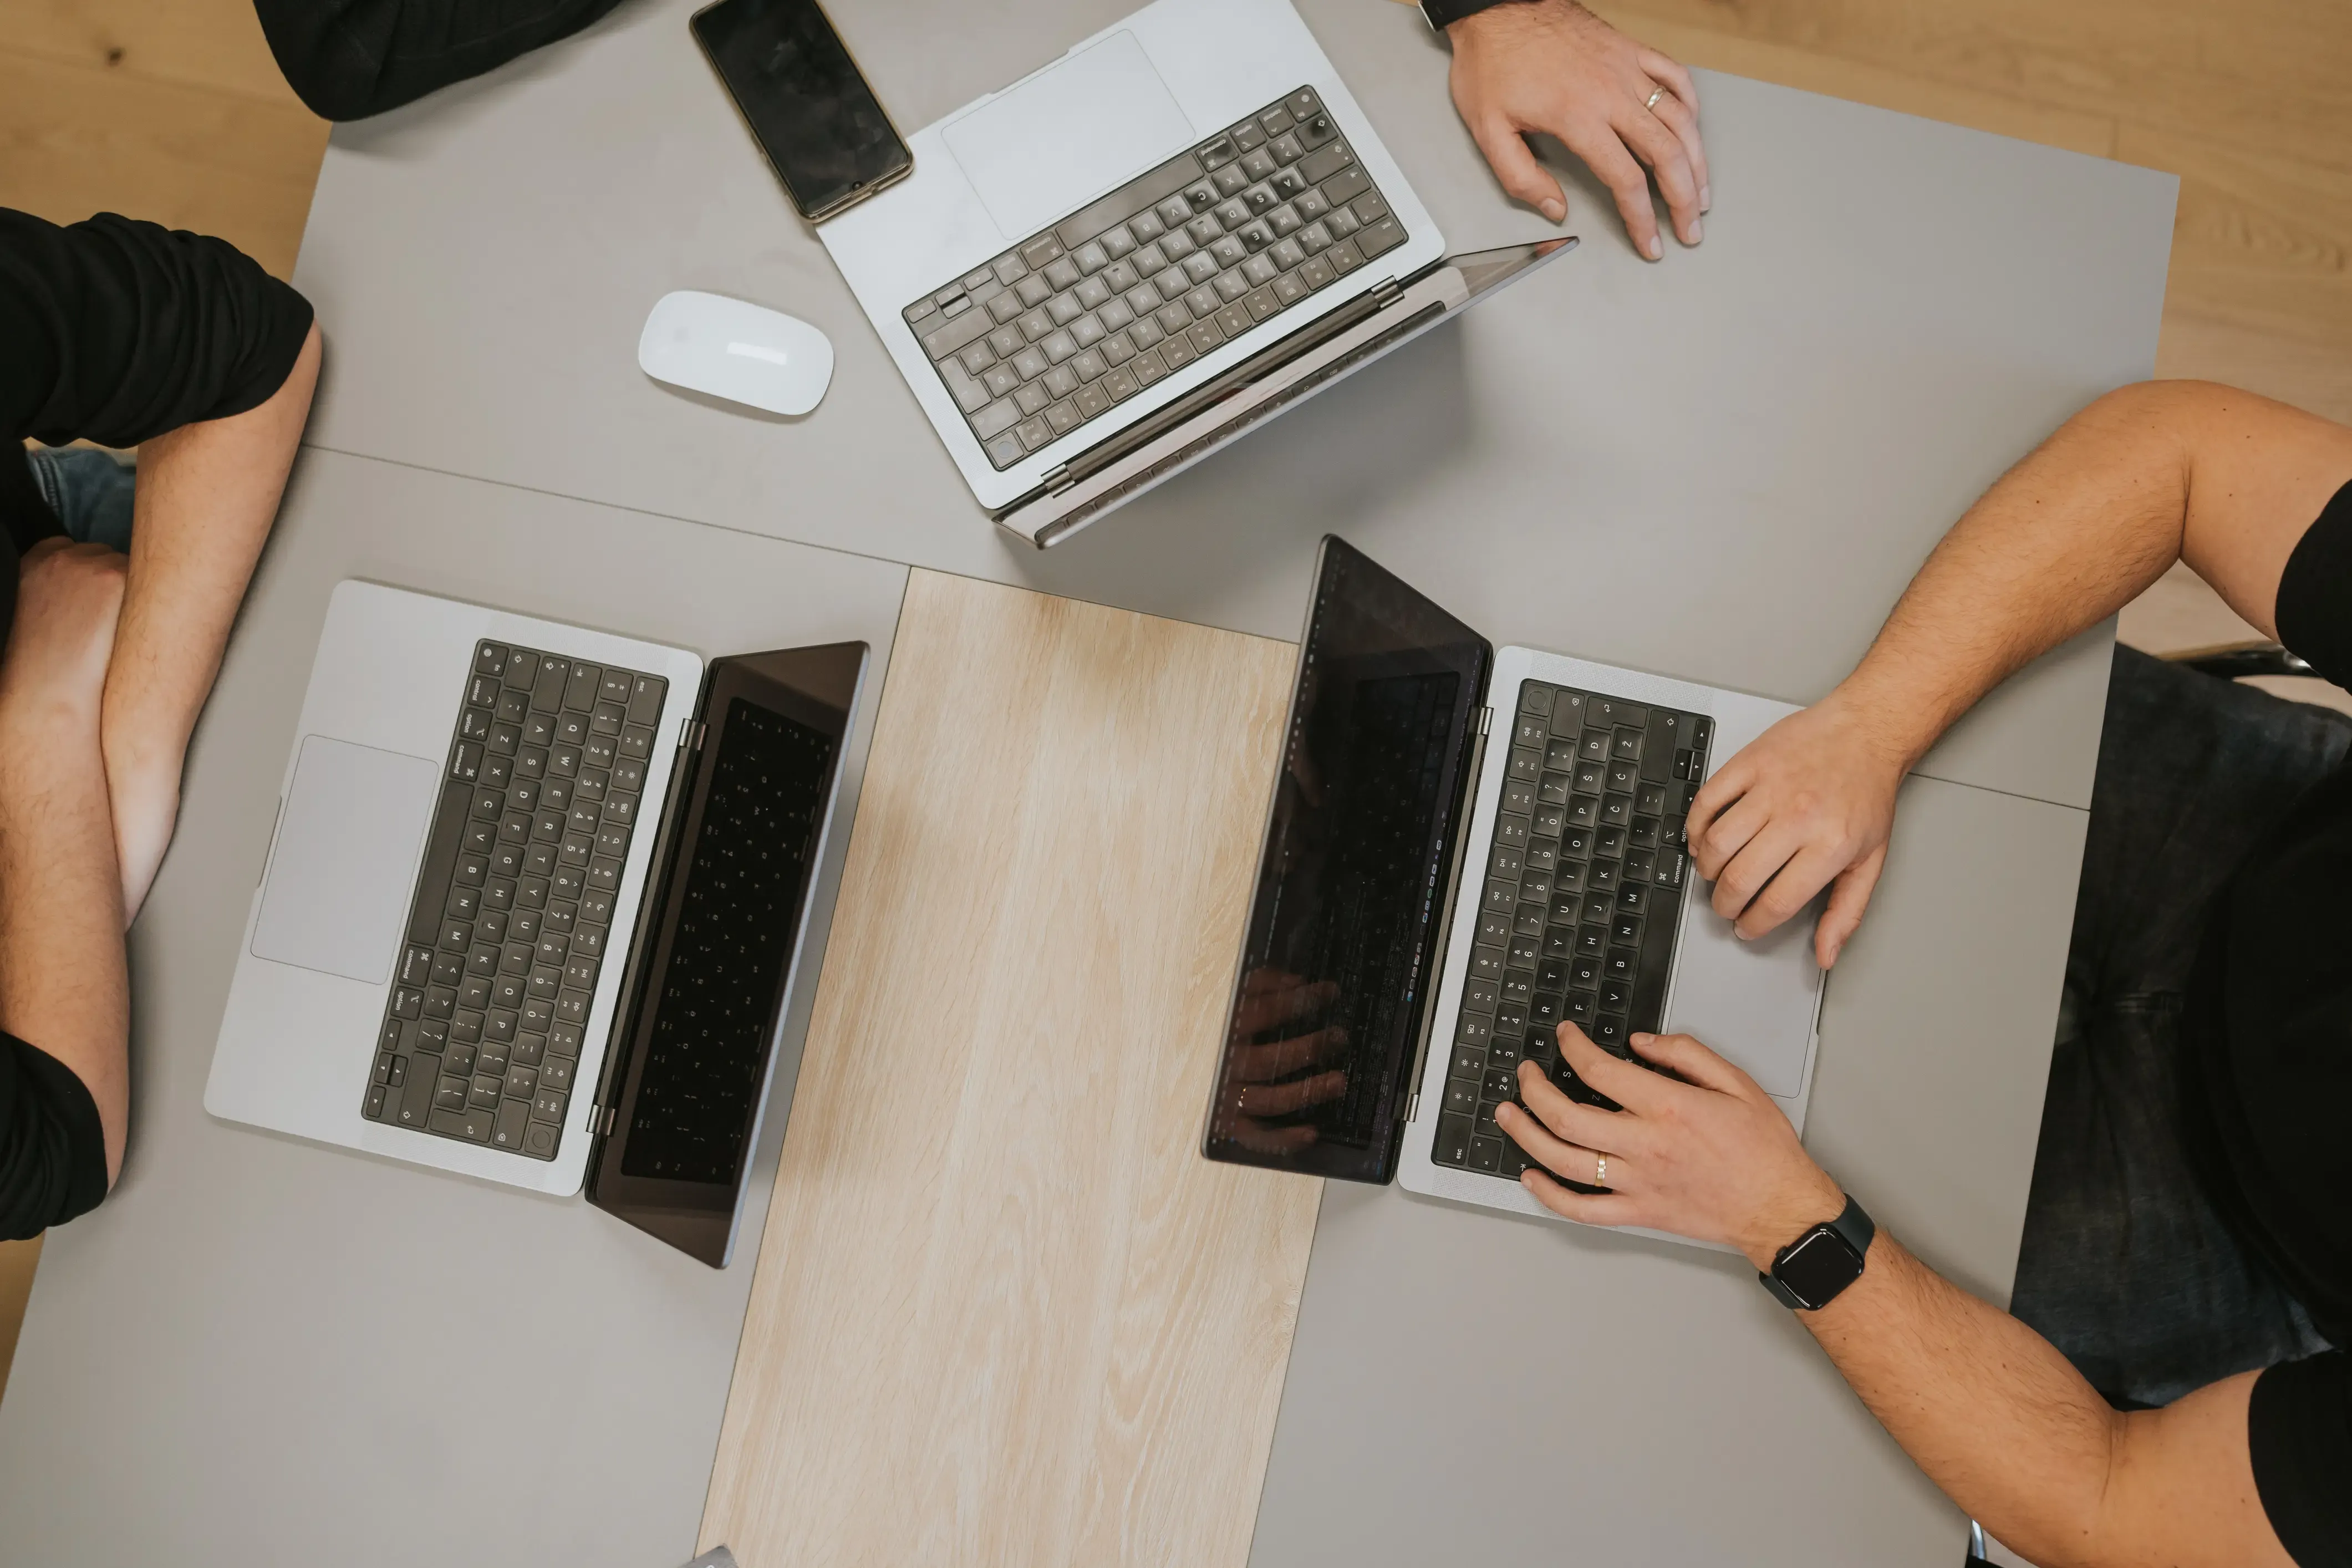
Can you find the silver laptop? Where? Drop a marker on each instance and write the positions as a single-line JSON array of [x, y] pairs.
[[1102, 273], [487, 935], [1468, 847]]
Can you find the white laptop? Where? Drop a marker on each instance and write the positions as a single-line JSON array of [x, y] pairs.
[[483, 939], [1465, 848], [1099, 275]]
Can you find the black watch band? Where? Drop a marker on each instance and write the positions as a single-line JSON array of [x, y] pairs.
[[1440, 13], [1808, 1274]]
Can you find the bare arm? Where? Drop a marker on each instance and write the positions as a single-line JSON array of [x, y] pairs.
[[62, 982], [1987, 1409], [2009, 1430], [207, 495], [2157, 473]]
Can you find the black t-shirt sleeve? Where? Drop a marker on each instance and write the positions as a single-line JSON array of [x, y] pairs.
[[2299, 1428], [52, 1148], [2314, 593], [114, 330], [347, 59]]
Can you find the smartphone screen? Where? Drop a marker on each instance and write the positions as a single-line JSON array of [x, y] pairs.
[[818, 121]]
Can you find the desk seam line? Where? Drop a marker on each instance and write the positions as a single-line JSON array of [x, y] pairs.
[[910, 567], [1996, 789], [614, 506]]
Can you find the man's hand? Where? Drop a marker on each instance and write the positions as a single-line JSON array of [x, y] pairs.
[[1807, 805], [69, 599], [1705, 1153], [1551, 66]]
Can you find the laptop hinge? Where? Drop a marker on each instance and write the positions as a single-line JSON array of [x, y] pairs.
[[1256, 368], [619, 1041], [1468, 805]]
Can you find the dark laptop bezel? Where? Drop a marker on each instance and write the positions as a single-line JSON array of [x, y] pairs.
[[1397, 1061], [816, 687]]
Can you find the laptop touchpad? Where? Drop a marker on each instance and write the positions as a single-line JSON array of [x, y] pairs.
[[1072, 132], [345, 865], [1752, 1002]]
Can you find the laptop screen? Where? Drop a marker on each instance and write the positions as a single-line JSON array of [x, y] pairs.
[[1337, 969], [711, 969]]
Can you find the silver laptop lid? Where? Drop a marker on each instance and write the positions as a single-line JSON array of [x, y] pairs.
[[1321, 352]]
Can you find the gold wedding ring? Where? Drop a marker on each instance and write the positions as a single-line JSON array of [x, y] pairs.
[[1655, 93], [1601, 1170]]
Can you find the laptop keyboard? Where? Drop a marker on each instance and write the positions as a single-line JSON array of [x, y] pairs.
[[513, 915], [1134, 286], [1583, 898]]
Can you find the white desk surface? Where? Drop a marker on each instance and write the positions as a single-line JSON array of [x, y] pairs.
[[1723, 467]]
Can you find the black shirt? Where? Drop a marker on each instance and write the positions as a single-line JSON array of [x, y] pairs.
[[2270, 1080], [112, 331], [115, 332], [350, 59], [52, 1149]]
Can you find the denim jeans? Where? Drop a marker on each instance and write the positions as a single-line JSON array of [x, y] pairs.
[[89, 490], [2125, 1265]]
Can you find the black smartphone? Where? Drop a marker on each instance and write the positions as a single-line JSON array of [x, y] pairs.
[[812, 112]]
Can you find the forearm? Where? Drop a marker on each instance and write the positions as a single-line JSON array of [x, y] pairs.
[[2011, 1432], [2147, 475], [207, 495], [1989, 1409], [63, 984], [2067, 537]]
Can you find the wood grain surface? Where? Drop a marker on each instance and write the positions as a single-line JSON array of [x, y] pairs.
[[1004, 1312], [167, 109]]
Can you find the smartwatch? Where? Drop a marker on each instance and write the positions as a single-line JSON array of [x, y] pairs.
[[1438, 13], [1808, 1273]]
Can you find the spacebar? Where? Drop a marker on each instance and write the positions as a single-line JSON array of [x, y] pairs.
[[440, 863], [1127, 200]]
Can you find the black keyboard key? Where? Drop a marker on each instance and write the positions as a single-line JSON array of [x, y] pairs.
[[1453, 1141], [473, 1126], [508, 1127]]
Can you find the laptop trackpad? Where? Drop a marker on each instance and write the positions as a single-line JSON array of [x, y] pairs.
[[345, 865], [1750, 1002], [1072, 132]]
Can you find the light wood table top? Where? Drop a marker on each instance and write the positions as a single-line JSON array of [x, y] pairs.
[[1004, 1312]]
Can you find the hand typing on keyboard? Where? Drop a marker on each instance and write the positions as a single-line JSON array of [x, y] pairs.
[[1553, 66], [1694, 1147]]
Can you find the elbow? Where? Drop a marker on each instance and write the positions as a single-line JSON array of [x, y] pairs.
[[2076, 1524], [2170, 411]]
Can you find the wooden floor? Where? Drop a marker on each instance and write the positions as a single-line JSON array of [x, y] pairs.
[[172, 109]]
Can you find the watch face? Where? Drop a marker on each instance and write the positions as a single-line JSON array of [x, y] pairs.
[[1821, 1264]]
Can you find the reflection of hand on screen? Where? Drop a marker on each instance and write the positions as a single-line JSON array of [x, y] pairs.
[[1260, 1082]]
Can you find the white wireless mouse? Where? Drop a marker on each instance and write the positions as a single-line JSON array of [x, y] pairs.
[[742, 353]]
